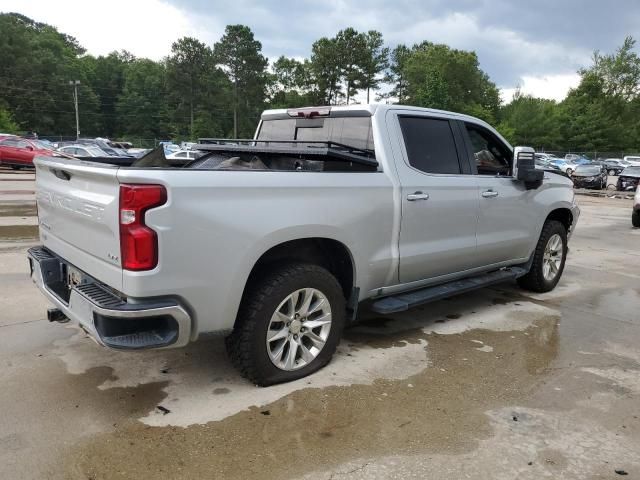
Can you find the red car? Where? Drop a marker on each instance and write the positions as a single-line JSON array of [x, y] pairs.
[[19, 152]]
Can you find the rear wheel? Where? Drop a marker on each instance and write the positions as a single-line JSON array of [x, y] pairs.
[[635, 218], [612, 172], [548, 259], [569, 171], [289, 324]]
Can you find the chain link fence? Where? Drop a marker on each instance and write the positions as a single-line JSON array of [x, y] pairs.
[[591, 154]]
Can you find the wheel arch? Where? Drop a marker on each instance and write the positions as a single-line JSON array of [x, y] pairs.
[[328, 253], [562, 215]]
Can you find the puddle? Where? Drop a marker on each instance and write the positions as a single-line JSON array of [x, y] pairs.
[[318, 428], [389, 348], [45, 409], [541, 444], [18, 232]]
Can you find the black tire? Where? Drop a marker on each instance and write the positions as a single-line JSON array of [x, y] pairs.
[[569, 171], [535, 280], [635, 218], [612, 172], [246, 345]]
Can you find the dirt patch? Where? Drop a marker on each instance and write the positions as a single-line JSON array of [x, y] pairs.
[[320, 428]]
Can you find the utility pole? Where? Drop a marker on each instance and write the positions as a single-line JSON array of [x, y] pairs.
[[75, 84]]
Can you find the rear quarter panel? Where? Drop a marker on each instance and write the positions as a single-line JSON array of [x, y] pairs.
[[216, 225]]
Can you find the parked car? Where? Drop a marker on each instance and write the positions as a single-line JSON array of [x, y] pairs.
[[83, 151], [635, 214], [577, 159], [592, 176], [169, 147], [614, 165], [138, 152], [564, 165], [545, 156], [105, 145], [598, 163], [280, 243], [19, 152], [544, 162], [186, 155], [632, 160], [628, 179]]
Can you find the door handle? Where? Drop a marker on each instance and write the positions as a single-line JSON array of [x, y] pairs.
[[412, 197], [489, 194]]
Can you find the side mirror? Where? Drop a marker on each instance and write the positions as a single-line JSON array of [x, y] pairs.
[[524, 167]]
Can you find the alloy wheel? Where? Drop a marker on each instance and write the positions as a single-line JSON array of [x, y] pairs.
[[552, 258], [298, 329]]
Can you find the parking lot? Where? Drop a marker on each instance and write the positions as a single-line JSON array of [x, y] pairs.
[[496, 384]]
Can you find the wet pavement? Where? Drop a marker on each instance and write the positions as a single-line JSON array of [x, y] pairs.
[[495, 384]]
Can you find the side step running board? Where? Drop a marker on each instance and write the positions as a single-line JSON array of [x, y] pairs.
[[405, 301]]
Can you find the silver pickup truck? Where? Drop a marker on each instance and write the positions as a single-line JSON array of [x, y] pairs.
[[277, 240]]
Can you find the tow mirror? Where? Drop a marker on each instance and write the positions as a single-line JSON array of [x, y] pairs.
[[524, 167]]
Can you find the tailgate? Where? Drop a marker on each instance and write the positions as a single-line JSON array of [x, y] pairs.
[[78, 215]]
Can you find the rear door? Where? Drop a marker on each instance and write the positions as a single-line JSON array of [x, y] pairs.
[[439, 199], [78, 209], [507, 214]]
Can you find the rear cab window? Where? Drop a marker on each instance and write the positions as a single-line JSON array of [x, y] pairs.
[[349, 134], [351, 131]]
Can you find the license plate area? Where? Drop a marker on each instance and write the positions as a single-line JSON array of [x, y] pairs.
[[60, 277], [74, 276]]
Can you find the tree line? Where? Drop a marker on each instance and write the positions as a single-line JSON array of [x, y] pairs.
[[220, 90]]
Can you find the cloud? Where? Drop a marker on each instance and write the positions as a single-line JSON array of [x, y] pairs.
[[554, 87], [146, 28]]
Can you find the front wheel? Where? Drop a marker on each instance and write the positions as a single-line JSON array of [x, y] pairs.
[[569, 171], [289, 324], [548, 259], [612, 172], [635, 218]]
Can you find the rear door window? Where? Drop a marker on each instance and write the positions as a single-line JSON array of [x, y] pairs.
[[430, 145]]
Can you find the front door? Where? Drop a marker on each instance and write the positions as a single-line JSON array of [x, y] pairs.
[[439, 199], [508, 213]]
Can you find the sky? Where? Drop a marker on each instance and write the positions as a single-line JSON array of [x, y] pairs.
[[536, 45]]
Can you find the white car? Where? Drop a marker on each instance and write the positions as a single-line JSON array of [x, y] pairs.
[[184, 155], [566, 166], [83, 151], [632, 160]]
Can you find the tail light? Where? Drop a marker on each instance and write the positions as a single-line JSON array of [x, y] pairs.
[[139, 243]]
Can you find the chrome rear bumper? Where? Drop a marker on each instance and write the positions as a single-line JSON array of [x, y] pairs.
[[113, 321]]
